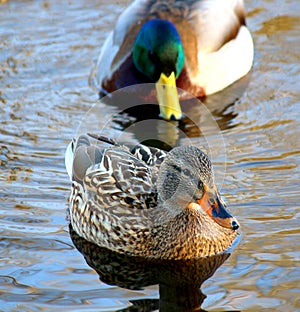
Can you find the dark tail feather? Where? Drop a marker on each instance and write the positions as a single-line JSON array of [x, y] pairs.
[[103, 139]]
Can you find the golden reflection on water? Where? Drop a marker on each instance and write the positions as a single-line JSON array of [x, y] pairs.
[[45, 61], [280, 23]]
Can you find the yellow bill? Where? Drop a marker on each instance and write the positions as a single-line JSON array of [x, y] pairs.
[[167, 97]]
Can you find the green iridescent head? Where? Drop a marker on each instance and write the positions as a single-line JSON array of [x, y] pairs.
[[158, 49]]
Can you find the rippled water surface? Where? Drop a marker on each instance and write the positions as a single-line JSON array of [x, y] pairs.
[[47, 52]]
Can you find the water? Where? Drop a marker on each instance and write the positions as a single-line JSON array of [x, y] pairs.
[[48, 50]]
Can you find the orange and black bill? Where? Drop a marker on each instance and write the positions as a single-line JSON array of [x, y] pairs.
[[215, 208]]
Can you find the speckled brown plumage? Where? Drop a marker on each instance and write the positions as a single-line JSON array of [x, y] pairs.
[[142, 201]]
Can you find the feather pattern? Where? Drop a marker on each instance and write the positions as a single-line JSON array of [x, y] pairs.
[[117, 200]]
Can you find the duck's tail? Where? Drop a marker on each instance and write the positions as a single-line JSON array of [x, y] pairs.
[[69, 157], [81, 155], [103, 139]]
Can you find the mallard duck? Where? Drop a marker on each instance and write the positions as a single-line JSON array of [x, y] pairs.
[[199, 46], [142, 201]]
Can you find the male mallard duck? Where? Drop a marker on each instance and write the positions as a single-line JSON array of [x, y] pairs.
[[199, 46], [145, 202]]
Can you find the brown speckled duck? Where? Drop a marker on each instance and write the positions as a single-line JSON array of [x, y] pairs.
[[145, 202], [200, 46]]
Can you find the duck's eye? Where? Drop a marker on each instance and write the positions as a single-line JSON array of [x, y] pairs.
[[153, 56], [150, 54], [200, 185], [176, 168], [186, 172]]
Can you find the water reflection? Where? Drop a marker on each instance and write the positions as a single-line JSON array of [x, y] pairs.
[[130, 98], [134, 114], [137, 112], [179, 281]]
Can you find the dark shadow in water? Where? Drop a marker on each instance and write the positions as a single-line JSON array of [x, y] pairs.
[[179, 281], [138, 103]]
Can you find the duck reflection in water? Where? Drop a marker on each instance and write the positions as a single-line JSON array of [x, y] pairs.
[[179, 281], [137, 113]]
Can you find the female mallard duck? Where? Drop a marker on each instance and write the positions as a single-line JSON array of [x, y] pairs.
[[200, 46], [145, 202]]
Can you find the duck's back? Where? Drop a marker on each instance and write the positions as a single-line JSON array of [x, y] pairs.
[[113, 189]]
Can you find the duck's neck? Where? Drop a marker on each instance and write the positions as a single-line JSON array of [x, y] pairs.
[[190, 234]]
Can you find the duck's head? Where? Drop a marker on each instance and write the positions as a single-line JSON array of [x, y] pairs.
[[186, 181], [158, 54]]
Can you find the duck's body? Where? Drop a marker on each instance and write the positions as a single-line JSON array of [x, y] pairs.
[[145, 202], [217, 46]]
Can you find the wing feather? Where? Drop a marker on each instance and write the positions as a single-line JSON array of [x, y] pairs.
[[120, 180]]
